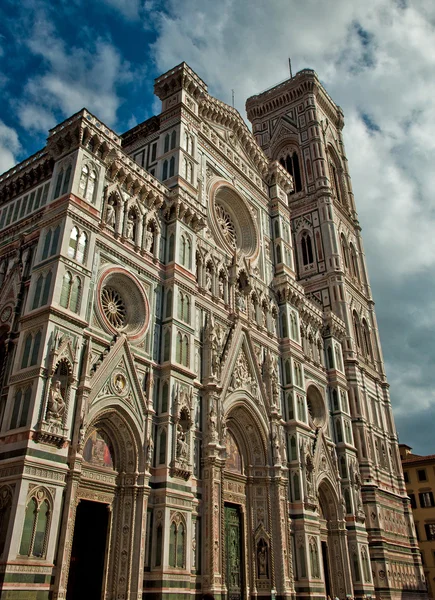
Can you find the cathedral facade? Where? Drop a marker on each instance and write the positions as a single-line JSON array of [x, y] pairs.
[[193, 398]]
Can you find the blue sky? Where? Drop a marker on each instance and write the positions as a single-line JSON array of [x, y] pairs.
[[376, 60]]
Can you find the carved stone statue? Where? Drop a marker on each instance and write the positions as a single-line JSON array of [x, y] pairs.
[[182, 447], [110, 214], [262, 561], [221, 288], [56, 404], [212, 423], [150, 450], [149, 240], [130, 229], [208, 279], [276, 448]]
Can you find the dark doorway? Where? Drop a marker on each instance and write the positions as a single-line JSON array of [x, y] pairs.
[[85, 581], [326, 569], [233, 551]]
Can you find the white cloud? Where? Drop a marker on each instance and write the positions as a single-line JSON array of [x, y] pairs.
[[72, 78], [128, 8], [9, 147], [375, 59]]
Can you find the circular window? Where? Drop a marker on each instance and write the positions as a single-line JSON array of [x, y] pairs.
[[232, 221], [122, 303], [316, 407]]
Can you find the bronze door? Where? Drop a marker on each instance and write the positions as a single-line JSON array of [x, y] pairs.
[[233, 550]]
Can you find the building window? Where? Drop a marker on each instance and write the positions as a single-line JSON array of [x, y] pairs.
[[172, 166], [430, 531], [71, 292], [5, 513], [31, 349], [307, 249], [184, 307], [165, 397], [162, 447], [188, 143], [421, 475], [406, 476], [78, 242], [62, 182], [166, 143], [186, 251], [182, 351], [291, 164], [20, 411], [366, 565], [88, 179], [51, 242], [188, 171], [153, 152], [176, 545], [173, 139], [42, 290], [426, 500], [166, 345], [36, 525], [165, 170]]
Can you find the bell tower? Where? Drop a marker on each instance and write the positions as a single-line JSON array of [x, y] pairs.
[[298, 124]]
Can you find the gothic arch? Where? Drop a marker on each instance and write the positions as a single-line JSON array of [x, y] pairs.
[[249, 428], [117, 426]]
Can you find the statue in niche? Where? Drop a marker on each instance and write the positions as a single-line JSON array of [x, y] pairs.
[[212, 422], [149, 451], [262, 560], [208, 278], [129, 233], [181, 443], [110, 214], [357, 484], [309, 468], [240, 300], [56, 404], [276, 442], [221, 287], [149, 240]]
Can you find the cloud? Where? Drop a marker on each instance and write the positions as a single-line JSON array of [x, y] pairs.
[[374, 59], [71, 78], [9, 147], [130, 9]]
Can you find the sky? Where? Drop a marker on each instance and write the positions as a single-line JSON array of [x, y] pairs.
[[376, 59]]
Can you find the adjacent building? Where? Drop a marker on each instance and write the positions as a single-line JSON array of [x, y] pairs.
[[193, 397], [419, 474]]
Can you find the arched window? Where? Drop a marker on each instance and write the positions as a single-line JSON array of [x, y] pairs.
[[46, 289], [81, 247], [347, 501], [284, 327], [26, 351], [165, 170], [162, 447], [343, 468], [76, 289], [35, 348], [294, 326], [367, 339], [77, 245], [36, 525], [159, 545], [357, 330], [166, 345], [5, 513], [307, 249], [166, 144], [319, 246], [172, 166], [293, 450], [296, 487], [165, 397], [66, 290], [185, 355], [291, 412], [171, 246], [47, 243], [88, 178], [287, 371], [55, 241], [177, 545], [335, 404], [173, 139], [338, 360], [354, 262], [168, 312], [302, 565], [186, 251], [344, 252], [73, 240], [339, 431], [179, 349], [291, 163], [62, 182]]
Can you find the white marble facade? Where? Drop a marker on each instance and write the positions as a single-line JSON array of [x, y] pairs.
[[193, 397]]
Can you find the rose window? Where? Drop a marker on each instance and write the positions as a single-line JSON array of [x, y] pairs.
[[227, 226], [113, 307], [122, 305]]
